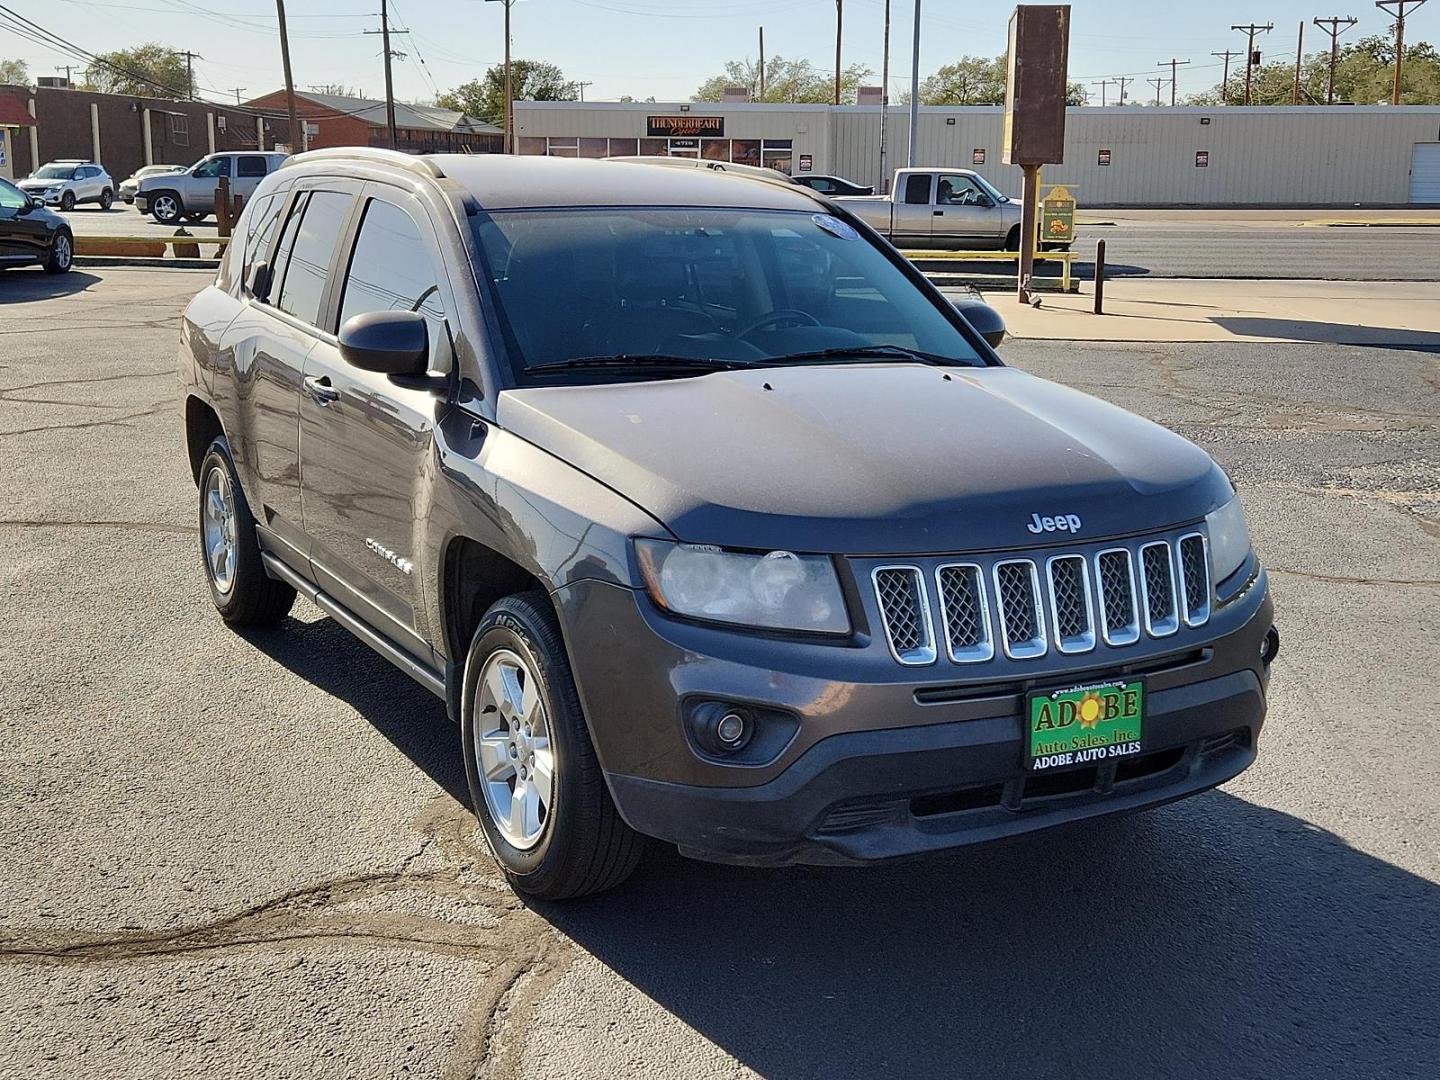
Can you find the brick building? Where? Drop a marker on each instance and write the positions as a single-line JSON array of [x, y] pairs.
[[332, 120]]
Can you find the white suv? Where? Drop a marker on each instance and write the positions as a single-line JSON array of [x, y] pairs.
[[68, 181]]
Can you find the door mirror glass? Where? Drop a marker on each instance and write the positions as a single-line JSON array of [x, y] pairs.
[[988, 322], [389, 342], [257, 282], [36, 203]]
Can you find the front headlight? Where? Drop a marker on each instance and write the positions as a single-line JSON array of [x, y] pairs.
[[776, 591], [1229, 540]]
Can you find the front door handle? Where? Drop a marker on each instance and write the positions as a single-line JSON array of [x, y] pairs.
[[939, 213], [319, 388]]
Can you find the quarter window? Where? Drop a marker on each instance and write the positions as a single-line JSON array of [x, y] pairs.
[[250, 165], [308, 265], [391, 268]]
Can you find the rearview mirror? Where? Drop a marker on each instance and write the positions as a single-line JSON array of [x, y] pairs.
[[388, 342], [987, 322]]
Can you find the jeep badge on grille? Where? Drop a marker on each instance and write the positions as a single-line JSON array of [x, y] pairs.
[[1058, 523]]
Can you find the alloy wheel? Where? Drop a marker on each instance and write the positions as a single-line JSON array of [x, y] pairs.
[[63, 252], [219, 530], [513, 751]]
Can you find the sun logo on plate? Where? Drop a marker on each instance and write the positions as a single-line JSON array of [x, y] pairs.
[[1089, 710]]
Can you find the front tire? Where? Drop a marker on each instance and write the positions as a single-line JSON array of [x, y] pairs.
[[196, 217], [62, 254], [107, 199], [243, 593], [535, 783], [1012, 239], [166, 208], [67, 201]]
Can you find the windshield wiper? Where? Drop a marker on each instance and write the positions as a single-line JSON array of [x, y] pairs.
[[865, 352], [639, 362]]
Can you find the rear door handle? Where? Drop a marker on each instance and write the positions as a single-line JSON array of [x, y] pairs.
[[319, 388]]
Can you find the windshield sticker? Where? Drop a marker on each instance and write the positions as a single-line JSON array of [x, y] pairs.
[[835, 226]]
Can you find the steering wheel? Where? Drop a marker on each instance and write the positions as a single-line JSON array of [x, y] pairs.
[[777, 317]]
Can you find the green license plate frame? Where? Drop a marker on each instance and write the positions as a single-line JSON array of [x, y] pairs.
[[1084, 724]]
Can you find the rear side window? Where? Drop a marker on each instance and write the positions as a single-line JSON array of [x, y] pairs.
[[391, 269], [308, 265], [917, 188], [257, 229], [250, 165]]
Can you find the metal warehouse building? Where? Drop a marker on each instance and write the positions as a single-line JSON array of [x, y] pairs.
[[1120, 156]]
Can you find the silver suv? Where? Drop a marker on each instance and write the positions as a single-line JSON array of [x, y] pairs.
[[191, 194], [68, 181]]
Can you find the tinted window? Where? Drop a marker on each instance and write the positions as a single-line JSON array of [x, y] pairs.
[[259, 229], [309, 258], [917, 188], [11, 197], [219, 166], [391, 268], [250, 165]]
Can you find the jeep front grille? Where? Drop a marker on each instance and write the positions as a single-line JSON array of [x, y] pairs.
[[905, 609], [1115, 595], [964, 613]]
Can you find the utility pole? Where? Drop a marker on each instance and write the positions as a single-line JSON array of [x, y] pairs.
[[582, 86], [1225, 78], [1396, 9], [1334, 26], [384, 33], [914, 89], [884, 97], [237, 90], [1103, 84], [1299, 54], [1122, 80], [762, 63], [190, 58], [839, 23], [289, 78], [509, 95], [1250, 58], [1173, 65], [1157, 83], [67, 68]]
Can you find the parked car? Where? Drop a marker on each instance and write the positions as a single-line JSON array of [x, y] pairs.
[[708, 516], [732, 168], [190, 194], [129, 186], [30, 233], [69, 181], [832, 185], [941, 208]]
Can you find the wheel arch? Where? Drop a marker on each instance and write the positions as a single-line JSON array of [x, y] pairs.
[[202, 427], [472, 577]]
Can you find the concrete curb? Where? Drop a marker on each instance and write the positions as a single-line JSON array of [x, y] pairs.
[[153, 263]]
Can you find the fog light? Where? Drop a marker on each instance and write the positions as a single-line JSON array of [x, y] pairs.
[[731, 729], [1270, 646]]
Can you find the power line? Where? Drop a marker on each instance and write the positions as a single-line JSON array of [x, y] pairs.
[[1335, 25]]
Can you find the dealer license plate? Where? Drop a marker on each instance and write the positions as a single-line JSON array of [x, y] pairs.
[[1084, 725]]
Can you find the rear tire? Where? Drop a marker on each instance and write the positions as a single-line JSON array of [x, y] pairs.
[[196, 217], [243, 593], [577, 844], [62, 254]]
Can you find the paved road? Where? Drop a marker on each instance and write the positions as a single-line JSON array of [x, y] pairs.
[[242, 856]]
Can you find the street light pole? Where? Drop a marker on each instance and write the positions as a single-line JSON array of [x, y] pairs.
[[839, 23], [914, 89], [884, 98]]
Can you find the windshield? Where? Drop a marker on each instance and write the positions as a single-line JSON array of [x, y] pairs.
[[56, 172], [748, 286], [995, 193]]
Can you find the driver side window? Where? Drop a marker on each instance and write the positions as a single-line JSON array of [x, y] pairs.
[[958, 191], [214, 168]]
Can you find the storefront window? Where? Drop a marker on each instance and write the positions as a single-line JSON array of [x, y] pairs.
[[653, 147], [745, 151], [624, 147], [564, 147], [715, 149], [594, 148], [532, 145], [777, 155]]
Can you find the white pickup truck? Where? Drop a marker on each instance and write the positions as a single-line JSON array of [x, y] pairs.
[[940, 208]]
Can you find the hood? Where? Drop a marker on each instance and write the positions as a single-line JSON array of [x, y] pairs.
[[38, 185], [872, 459]]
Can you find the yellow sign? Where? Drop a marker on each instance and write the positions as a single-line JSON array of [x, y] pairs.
[[1057, 216]]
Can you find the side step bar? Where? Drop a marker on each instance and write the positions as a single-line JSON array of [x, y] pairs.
[[425, 675]]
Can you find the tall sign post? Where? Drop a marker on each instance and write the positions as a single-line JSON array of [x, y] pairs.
[[1035, 81]]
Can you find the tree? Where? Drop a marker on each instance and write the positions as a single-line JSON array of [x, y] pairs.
[[14, 73], [149, 70], [1363, 75], [530, 80], [975, 80], [791, 81]]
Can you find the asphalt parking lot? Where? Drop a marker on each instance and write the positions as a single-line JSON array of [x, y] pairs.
[[243, 855]]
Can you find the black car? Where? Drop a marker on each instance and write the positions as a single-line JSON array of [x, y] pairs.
[[29, 233], [832, 185]]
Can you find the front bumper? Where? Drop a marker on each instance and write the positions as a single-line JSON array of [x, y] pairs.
[[888, 764], [50, 199]]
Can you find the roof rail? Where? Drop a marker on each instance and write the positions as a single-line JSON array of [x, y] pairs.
[[422, 166], [765, 175]]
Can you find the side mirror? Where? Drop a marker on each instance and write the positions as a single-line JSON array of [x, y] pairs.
[[258, 283], [984, 318], [985, 200], [389, 342], [36, 203]]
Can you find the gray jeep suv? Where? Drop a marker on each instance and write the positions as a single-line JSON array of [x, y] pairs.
[[707, 516]]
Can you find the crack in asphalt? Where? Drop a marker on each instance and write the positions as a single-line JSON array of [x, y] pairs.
[[115, 421], [123, 526], [1346, 579]]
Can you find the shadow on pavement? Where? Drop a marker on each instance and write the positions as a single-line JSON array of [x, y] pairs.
[[33, 283], [1379, 337], [413, 719], [1214, 938]]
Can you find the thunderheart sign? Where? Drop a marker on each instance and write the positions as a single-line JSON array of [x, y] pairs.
[[1084, 724], [681, 126]]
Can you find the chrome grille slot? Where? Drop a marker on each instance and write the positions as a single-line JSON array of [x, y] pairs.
[[905, 613], [1115, 573], [1157, 589], [1072, 610], [964, 612], [1194, 579], [1017, 597]]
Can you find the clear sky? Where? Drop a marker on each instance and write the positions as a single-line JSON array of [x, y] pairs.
[[663, 48]]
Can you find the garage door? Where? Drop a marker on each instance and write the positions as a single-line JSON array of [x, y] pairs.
[[1425, 173]]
